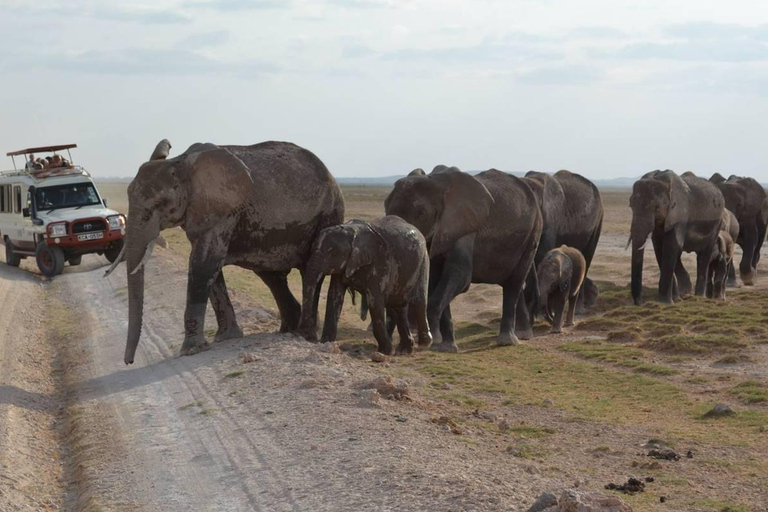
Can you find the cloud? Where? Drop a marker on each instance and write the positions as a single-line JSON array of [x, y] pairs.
[[237, 5], [484, 52], [357, 51], [204, 40], [729, 50], [596, 32], [368, 4], [710, 31], [565, 74], [101, 12], [142, 61]]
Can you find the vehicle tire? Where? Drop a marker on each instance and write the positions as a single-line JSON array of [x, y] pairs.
[[75, 260], [11, 258], [50, 260], [114, 251]]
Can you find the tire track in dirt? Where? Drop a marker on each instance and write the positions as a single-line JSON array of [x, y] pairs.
[[31, 474], [184, 454]]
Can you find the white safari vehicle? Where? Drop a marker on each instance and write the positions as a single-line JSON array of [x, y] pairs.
[[50, 209]]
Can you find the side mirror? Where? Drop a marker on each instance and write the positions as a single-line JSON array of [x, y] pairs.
[[25, 212], [105, 203]]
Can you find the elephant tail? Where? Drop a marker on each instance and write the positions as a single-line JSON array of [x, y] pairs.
[[363, 307]]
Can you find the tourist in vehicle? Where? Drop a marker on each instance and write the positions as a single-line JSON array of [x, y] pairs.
[[31, 162]]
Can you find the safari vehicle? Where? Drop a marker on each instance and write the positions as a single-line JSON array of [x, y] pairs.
[[51, 210]]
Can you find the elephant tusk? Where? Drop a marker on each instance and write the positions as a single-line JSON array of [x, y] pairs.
[[116, 262], [144, 260], [642, 247]]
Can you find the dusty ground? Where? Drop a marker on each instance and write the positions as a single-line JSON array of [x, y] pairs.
[[488, 429]]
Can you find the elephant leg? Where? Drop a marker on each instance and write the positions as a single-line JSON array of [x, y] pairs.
[[748, 246], [761, 230], [405, 347], [572, 301], [418, 311], [731, 278], [205, 262], [333, 307], [448, 343], [557, 307], [455, 278], [379, 322], [511, 295], [670, 255], [589, 254], [526, 309], [225, 313], [290, 310], [702, 265], [710, 281], [684, 285]]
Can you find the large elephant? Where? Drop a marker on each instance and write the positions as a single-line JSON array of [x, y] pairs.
[[479, 229], [386, 260], [572, 211], [746, 198], [678, 214], [258, 207]]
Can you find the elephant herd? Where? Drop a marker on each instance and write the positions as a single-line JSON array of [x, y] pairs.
[[273, 207]]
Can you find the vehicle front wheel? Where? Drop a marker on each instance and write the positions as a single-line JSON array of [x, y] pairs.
[[50, 260], [75, 260], [11, 257], [114, 251]]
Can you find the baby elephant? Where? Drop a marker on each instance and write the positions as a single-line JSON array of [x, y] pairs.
[[717, 272], [560, 276], [385, 260]]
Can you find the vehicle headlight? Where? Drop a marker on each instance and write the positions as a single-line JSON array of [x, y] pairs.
[[58, 229], [116, 221]]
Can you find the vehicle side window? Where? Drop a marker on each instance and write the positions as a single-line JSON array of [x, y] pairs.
[[17, 199], [2, 199], [7, 201]]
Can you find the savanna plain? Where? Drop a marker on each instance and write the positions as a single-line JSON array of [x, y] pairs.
[[271, 422]]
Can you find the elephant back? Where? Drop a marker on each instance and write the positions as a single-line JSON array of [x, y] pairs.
[[744, 197]]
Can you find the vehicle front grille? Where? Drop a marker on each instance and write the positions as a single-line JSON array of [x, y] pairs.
[[88, 226]]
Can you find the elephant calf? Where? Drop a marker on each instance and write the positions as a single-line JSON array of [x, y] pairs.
[[717, 273], [560, 274], [386, 260]]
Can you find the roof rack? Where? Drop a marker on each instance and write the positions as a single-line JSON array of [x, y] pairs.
[[41, 174], [41, 149]]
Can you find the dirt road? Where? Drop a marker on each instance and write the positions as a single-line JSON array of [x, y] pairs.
[[291, 430]]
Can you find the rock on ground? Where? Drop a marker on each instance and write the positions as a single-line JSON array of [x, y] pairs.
[[575, 501]]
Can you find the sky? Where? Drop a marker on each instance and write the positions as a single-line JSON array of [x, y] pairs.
[[610, 88]]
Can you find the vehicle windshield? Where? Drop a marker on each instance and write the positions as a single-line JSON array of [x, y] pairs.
[[66, 196]]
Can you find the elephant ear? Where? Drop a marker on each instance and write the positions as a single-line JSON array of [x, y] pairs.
[[717, 178], [219, 185], [417, 172], [466, 207], [366, 245], [677, 215]]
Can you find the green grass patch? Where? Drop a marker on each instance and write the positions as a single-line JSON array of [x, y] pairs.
[[527, 432], [750, 392], [232, 375]]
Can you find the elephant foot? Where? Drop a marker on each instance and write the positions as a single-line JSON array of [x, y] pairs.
[[405, 349], [228, 334], [581, 310], [524, 334], [446, 346], [507, 338], [192, 346], [748, 279], [569, 324], [555, 330], [425, 342], [732, 284], [387, 350]]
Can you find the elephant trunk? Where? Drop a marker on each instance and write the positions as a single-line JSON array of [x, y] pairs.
[[313, 274], [138, 240], [547, 285], [639, 238]]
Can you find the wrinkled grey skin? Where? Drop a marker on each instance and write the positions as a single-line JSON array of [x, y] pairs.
[[572, 211], [479, 229], [258, 207], [747, 199], [560, 274], [717, 273], [386, 261], [678, 214]]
